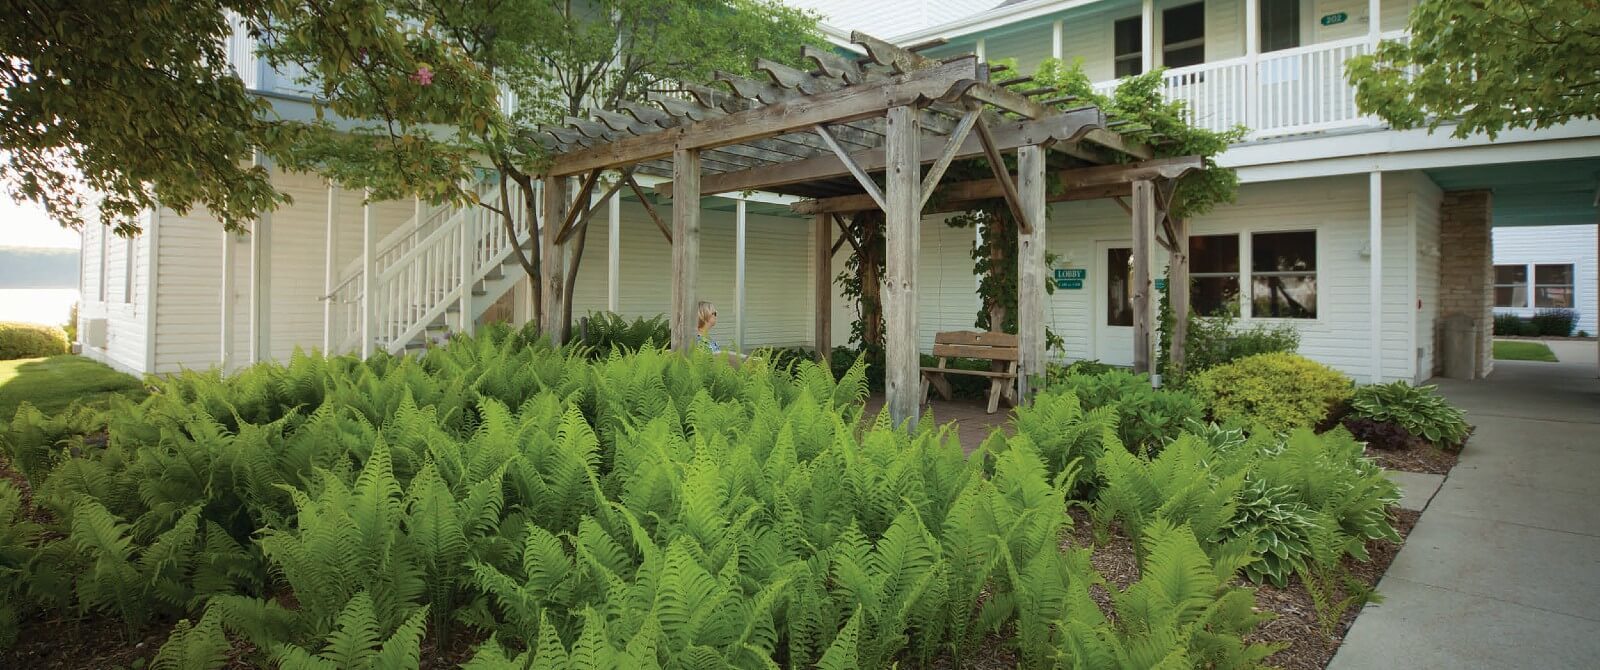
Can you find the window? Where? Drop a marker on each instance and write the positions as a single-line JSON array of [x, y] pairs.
[[1510, 286], [1552, 286], [1214, 274], [1283, 275], [1128, 53], [1183, 35], [1280, 24], [1119, 287]]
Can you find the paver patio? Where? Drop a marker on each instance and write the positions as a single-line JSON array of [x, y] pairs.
[[1503, 569]]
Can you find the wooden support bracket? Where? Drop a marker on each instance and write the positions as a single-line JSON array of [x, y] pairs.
[[1008, 186], [951, 148], [649, 208], [850, 163]]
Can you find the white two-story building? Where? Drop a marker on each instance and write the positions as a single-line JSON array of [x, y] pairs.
[[1365, 239]]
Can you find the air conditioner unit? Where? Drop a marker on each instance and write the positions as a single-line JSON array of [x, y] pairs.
[[94, 332]]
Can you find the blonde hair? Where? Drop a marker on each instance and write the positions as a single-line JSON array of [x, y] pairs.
[[705, 311]]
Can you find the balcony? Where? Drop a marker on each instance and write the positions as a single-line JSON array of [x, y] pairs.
[[1288, 92]]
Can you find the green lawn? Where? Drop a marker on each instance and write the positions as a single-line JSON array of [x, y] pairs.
[[1519, 350], [51, 384]]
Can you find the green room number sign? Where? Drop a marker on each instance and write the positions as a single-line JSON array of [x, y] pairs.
[[1070, 278], [1334, 18]]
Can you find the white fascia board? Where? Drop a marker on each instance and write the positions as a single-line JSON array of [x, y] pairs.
[[839, 37], [1406, 150], [991, 20]]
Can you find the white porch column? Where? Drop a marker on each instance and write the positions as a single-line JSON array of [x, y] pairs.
[[261, 280], [614, 253], [1252, 54], [1147, 36], [982, 50], [738, 274], [225, 354], [330, 268], [369, 278], [1374, 21], [1055, 40], [468, 323], [1375, 280]]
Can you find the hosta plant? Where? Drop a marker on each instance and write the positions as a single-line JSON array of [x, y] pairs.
[[1420, 410]]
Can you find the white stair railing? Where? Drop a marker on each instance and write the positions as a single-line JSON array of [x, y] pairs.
[[419, 286]]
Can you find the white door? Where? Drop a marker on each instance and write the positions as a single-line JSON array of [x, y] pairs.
[[1113, 303]]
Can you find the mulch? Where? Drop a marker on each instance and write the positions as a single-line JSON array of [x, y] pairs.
[[1421, 458]]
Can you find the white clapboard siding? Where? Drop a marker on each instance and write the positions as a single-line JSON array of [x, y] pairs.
[[778, 275], [1425, 202], [1573, 244], [121, 298], [1334, 207], [1029, 44], [189, 292]]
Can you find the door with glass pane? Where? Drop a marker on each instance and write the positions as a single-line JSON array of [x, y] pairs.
[[1113, 303]]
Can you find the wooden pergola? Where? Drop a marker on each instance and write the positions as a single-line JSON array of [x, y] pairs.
[[822, 135]]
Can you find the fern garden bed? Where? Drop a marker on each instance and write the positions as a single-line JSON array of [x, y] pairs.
[[501, 504]]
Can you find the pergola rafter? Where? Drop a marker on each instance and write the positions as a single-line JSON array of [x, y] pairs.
[[879, 133]]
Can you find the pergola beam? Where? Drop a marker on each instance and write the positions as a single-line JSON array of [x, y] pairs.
[[1066, 127], [1002, 177], [839, 106], [1076, 184]]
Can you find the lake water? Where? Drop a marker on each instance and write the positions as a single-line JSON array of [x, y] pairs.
[[37, 305]]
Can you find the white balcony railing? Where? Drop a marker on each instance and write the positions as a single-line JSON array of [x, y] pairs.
[[1288, 92]]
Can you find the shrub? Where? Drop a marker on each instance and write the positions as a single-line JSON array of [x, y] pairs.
[[29, 340], [1281, 501], [1217, 340], [1508, 325], [605, 332], [1147, 418], [71, 326], [1554, 322], [1276, 392], [1419, 410], [1380, 434]]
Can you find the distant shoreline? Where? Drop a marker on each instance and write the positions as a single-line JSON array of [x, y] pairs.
[[38, 268]]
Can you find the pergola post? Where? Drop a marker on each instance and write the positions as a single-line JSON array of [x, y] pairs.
[[1031, 268], [902, 233], [685, 246], [1143, 215], [552, 259], [822, 287], [1178, 292]]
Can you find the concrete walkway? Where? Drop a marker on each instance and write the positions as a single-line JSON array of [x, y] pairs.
[[1503, 569]]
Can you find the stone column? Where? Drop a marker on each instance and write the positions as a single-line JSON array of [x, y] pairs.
[[1466, 272]]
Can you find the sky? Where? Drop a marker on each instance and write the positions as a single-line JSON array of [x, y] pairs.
[[27, 225]]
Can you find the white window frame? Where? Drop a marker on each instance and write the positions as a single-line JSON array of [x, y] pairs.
[[1238, 306], [1534, 285], [1526, 284], [1137, 55], [130, 251], [1162, 47], [1247, 273]]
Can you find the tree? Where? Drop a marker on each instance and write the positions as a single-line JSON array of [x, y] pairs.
[[1486, 67], [135, 102], [430, 79]]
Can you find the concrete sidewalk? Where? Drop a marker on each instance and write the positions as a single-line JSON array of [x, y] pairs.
[[1503, 569]]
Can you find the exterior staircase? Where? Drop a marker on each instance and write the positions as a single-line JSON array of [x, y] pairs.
[[431, 279]]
